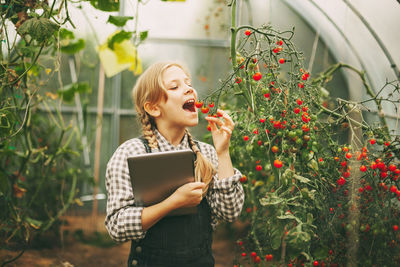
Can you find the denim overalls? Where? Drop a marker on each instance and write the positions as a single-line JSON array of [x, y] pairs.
[[176, 241]]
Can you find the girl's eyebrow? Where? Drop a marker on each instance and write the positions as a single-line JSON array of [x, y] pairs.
[[177, 80]]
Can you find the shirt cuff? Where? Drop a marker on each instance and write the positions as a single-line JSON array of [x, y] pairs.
[[133, 223], [227, 183]]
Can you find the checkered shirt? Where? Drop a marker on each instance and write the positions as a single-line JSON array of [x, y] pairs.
[[124, 222]]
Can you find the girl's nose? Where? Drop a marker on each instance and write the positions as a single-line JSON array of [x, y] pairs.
[[189, 90]]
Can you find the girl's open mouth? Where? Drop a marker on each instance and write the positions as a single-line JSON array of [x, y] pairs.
[[189, 106]]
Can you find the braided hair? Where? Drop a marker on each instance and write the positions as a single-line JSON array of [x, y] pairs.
[[204, 170]]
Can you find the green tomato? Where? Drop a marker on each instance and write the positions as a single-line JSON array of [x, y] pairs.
[[284, 179], [299, 132], [265, 90], [249, 148], [267, 167], [299, 141], [292, 134]]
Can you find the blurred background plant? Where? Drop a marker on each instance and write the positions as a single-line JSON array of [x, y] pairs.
[[41, 164]]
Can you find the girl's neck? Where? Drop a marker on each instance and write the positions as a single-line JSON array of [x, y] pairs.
[[172, 135]]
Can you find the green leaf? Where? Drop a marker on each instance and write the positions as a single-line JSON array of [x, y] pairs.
[[321, 252], [276, 236], [309, 218], [276, 241], [306, 255], [28, 51], [313, 164], [119, 21], [307, 193], [106, 5], [73, 47], [34, 223], [68, 92], [298, 237], [302, 179], [143, 35], [288, 216], [118, 38], [39, 29], [66, 34], [271, 199]]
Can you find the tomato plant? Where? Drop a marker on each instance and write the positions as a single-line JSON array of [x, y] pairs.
[[311, 195], [40, 163]]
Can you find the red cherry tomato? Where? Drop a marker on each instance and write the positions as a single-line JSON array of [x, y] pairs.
[[198, 104]]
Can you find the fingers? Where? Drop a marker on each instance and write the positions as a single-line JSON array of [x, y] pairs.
[[212, 124], [214, 121], [199, 193], [198, 185], [227, 130], [228, 122]]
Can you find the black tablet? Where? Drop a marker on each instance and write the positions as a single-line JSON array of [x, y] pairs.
[[155, 176]]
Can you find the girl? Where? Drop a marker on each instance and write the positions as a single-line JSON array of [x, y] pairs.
[[164, 100]]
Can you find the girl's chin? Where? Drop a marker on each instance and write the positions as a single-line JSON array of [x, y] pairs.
[[193, 123]]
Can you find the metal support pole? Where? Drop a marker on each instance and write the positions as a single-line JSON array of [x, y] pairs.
[[78, 106]]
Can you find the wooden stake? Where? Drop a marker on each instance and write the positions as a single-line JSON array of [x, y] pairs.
[[99, 123]]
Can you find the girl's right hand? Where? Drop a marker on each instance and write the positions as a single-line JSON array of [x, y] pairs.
[[188, 195]]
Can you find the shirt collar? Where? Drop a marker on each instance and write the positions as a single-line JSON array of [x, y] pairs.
[[165, 145]]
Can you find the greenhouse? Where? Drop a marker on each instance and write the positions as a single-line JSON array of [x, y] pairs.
[[284, 113]]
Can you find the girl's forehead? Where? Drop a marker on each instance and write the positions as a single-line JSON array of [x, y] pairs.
[[173, 73]]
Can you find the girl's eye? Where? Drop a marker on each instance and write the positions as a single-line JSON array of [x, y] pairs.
[[173, 88]]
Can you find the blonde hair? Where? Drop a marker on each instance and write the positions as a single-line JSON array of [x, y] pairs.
[[150, 88]]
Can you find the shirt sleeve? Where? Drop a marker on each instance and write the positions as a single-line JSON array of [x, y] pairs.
[[226, 196], [123, 219]]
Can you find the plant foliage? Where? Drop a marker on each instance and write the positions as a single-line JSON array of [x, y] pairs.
[[312, 197]]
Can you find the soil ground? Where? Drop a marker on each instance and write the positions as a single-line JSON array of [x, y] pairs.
[[86, 243]]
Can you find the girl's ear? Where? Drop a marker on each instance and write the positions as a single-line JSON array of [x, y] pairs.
[[152, 109]]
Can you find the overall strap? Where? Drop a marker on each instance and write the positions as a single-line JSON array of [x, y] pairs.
[[145, 143]]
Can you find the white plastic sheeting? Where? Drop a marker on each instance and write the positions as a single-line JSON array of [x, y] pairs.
[[362, 33], [349, 37]]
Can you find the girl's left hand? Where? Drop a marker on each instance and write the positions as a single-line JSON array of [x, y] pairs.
[[221, 134]]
